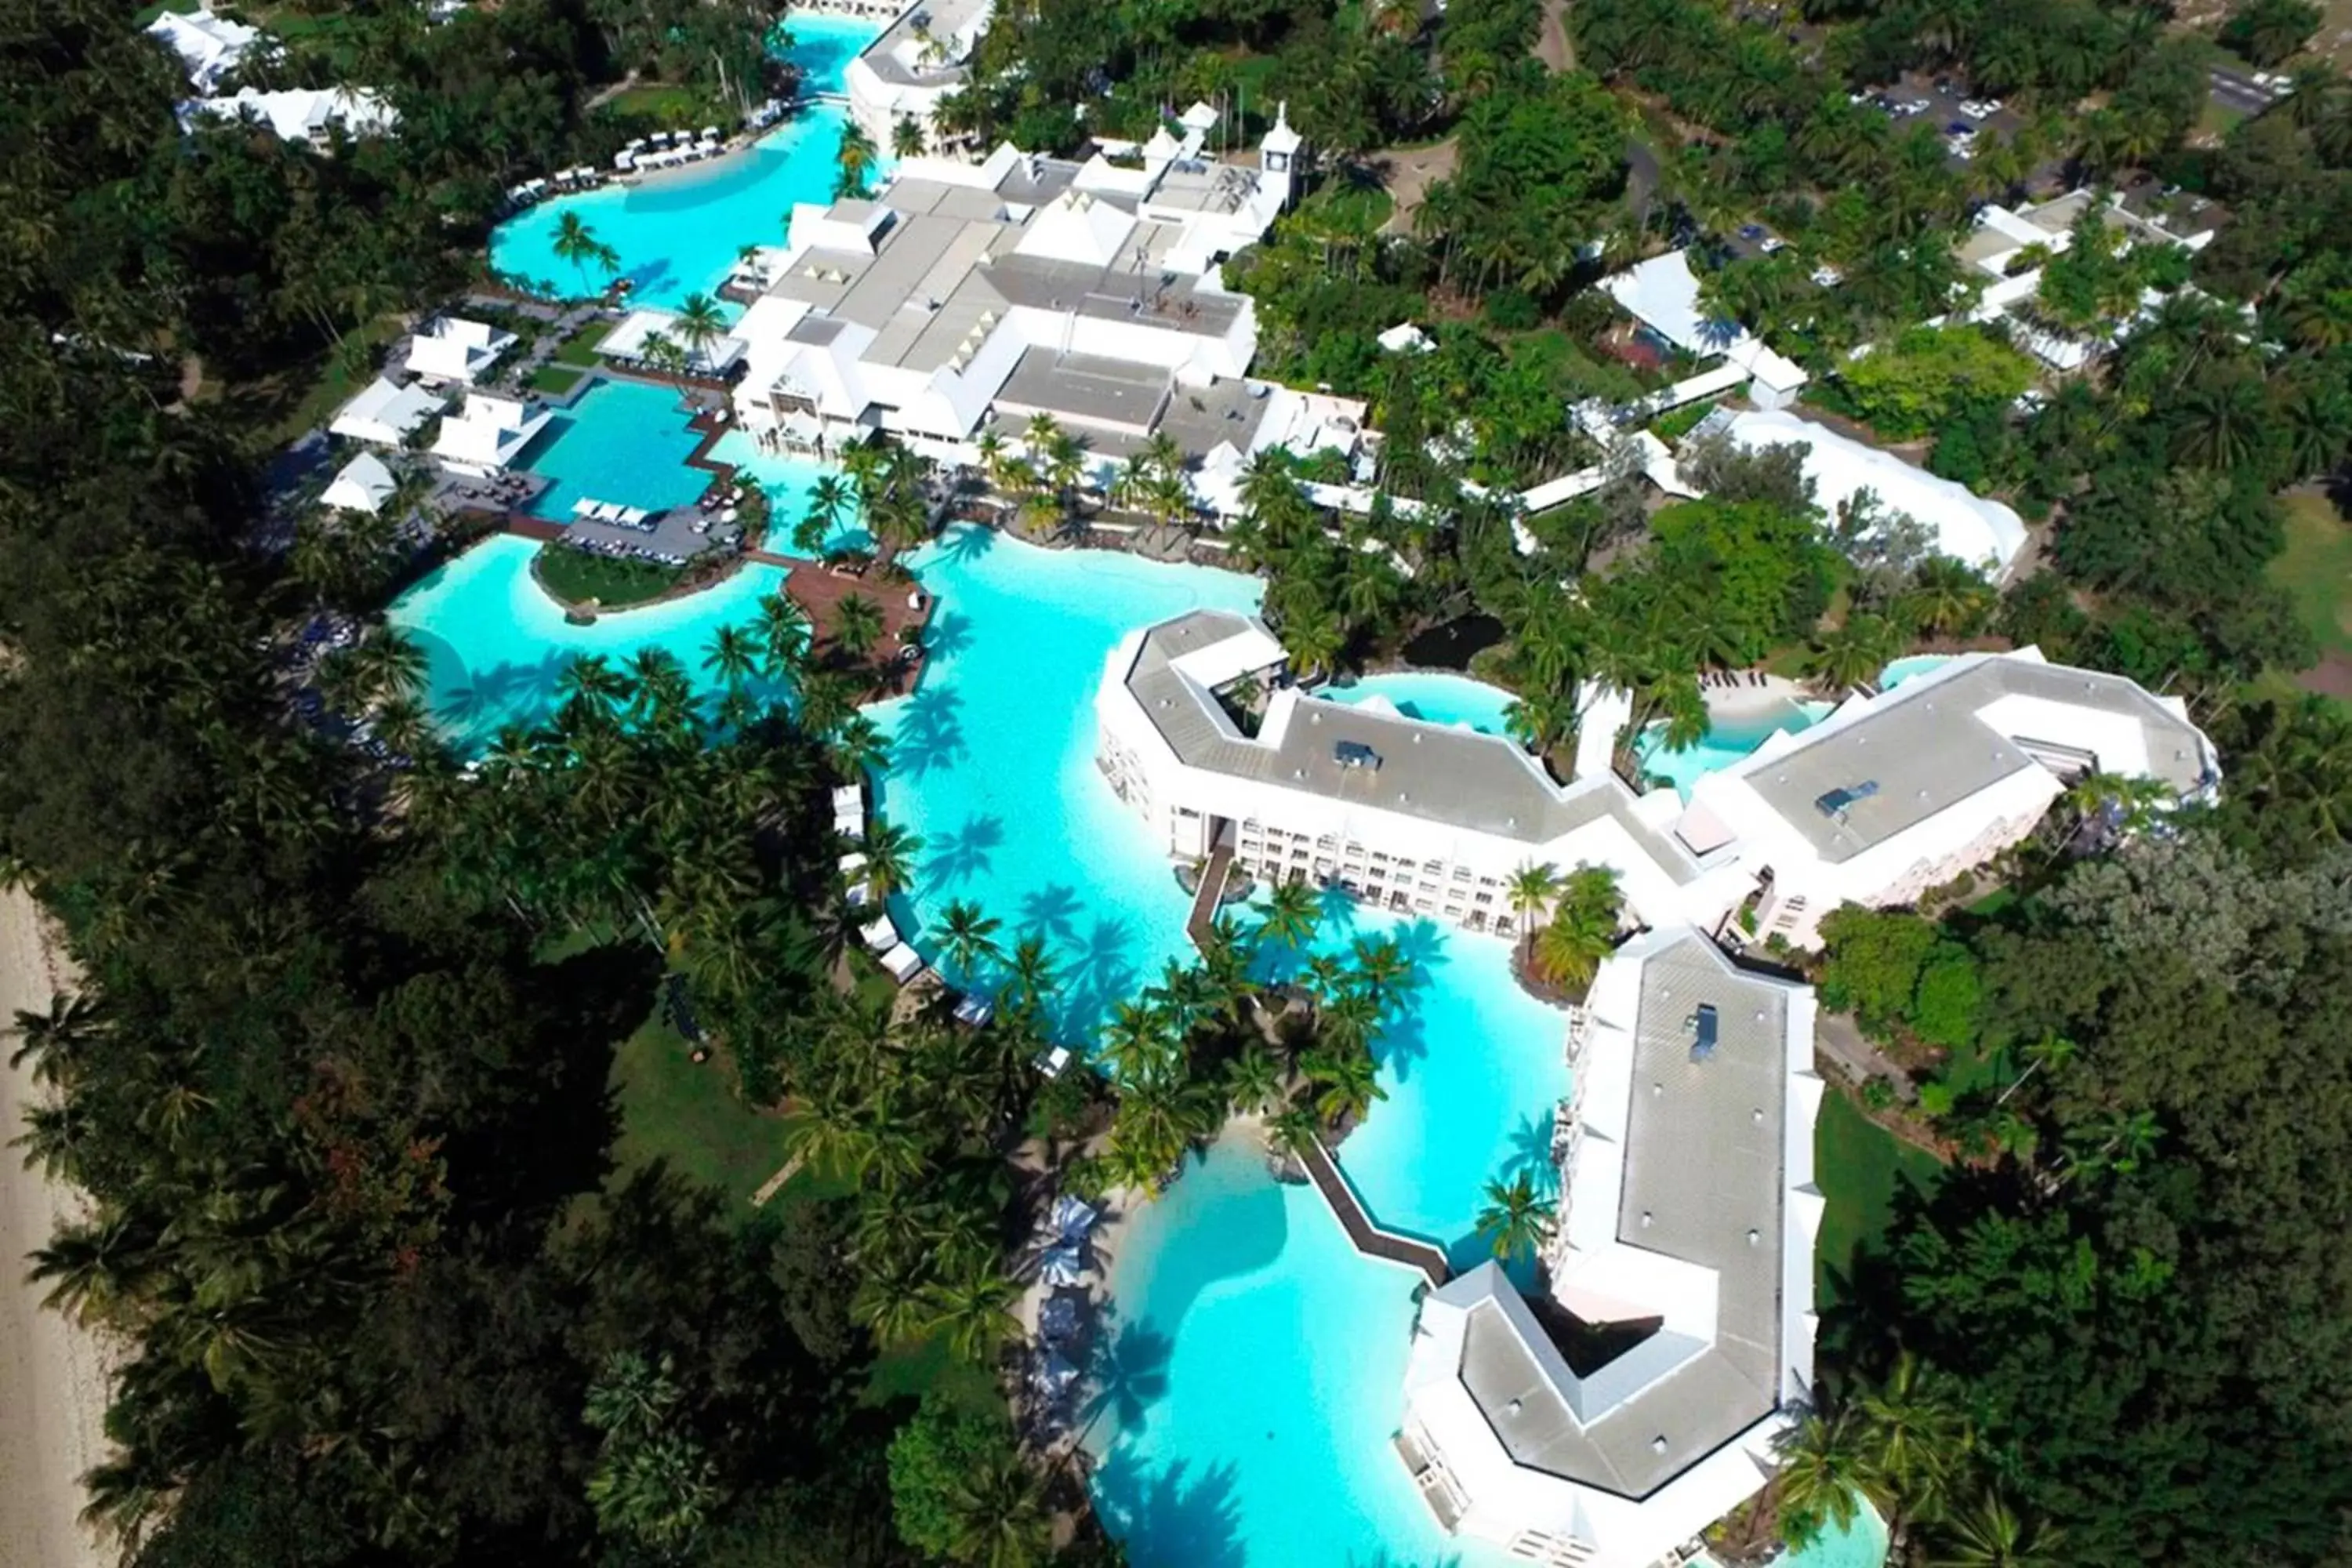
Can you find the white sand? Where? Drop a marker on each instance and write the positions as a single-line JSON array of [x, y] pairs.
[[1742, 699], [54, 1374]]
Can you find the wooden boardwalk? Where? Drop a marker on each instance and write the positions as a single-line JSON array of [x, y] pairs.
[[1363, 1234], [1212, 892]]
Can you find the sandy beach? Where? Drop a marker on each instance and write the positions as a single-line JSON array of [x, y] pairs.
[[53, 1372]]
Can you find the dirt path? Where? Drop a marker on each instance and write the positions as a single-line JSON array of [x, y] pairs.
[[1552, 45], [53, 1372], [1408, 174]]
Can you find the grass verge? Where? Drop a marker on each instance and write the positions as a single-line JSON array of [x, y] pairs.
[[1859, 1166], [556, 379], [675, 1110], [575, 577], [2316, 571], [580, 348]]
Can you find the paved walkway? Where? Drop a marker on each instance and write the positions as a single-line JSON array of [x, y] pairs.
[[1367, 1237]]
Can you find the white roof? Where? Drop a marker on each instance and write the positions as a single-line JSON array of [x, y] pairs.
[[1281, 138], [302, 114], [489, 432], [903, 963], [1075, 226], [1662, 294], [1405, 338], [453, 348], [629, 339], [210, 47], [1200, 117], [363, 485], [385, 412], [1983, 533]]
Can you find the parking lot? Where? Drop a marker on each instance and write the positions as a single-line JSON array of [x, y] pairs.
[[1945, 103]]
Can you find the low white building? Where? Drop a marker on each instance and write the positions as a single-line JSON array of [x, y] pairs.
[[1662, 294], [2005, 251], [386, 412], [1984, 534], [970, 297], [1896, 794], [631, 336], [488, 434], [364, 484], [1201, 734], [210, 48], [309, 115], [455, 349], [1610, 1420], [919, 59], [1409, 816]]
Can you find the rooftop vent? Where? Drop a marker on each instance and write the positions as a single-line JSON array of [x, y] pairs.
[[1703, 1032], [1355, 754], [1836, 804]]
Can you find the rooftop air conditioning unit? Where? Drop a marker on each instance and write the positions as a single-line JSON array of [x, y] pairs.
[[1355, 754], [1702, 1026]]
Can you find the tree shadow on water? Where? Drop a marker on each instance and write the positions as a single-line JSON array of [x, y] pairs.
[[966, 543], [1530, 1153], [930, 733], [1172, 1517], [964, 853], [1053, 909], [948, 635]]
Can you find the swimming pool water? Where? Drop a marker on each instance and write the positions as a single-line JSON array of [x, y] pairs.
[[624, 441], [1902, 669], [1861, 1545], [1725, 741], [788, 478], [1439, 697], [993, 759], [823, 45], [496, 645], [680, 233]]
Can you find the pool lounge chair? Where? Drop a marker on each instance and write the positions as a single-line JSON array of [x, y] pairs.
[[975, 1011], [849, 825], [852, 863], [880, 934], [848, 798], [903, 963], [583, 506]]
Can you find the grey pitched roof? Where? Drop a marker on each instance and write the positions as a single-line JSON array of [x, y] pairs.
[[1703, 1169], [1923, 749], [1436, 773]]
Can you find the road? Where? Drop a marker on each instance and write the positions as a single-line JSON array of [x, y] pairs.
[[2240, 93]]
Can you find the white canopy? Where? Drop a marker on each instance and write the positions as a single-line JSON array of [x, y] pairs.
[[488, 433], [903, 963], [453, 348], [385, 413], [879, 933], [365, 485], [1662, 293]]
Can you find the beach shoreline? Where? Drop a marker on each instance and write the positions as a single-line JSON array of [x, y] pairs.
[[55, 1373]]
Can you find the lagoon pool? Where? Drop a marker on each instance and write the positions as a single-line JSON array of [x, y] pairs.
[[823, 45], [624, 441], [1861, 1545], [496, 645], [1902, 669], [1435, 696], [679, 234], [788, 478], [993, 759], [1727, 742]]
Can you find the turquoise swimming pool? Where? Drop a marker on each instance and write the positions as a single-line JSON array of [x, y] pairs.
[[823, 45], [1902, 669], [788, 478], [496, 645], [1725, 742], [624, 441], [680, 233], [1437, 697], [1861, 1545]]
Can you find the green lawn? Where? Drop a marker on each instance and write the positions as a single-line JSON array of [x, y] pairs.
[[580, 348], [2316, 571], [557, 378], [673, 106], [673, 1108], [1857, 1165], [575, 577]]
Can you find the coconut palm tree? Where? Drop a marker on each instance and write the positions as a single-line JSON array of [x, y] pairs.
[[1292, 910], [854, 160], [858, 747], [890, 852], [1541, 720], [1314, 642], [577, 243], [1946, 598], [907, 138], [1916, 1436], [997, 1516], [733, 655], [1989, 1534], [967, 936], [1517, 1219], [783, 633], [1529, 889], [1253, 1079], [1824, 1474], [700, 324], [1850, 655], [1345, 1082], [828, 499], [973, 1313], [1136, 1045], [856, 626]]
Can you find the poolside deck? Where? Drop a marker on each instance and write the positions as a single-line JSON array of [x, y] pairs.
[[1367, 1237]]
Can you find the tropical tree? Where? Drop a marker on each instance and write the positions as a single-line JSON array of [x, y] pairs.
[[1582, 930], [853, 161], [968, 937], [1292, 910], [1344, 1083], [890, 852], [700, 324], [783, 633], [1824, 1476], [1853, 654], [1989, 1534], [1253, 1079], [856, 626], [907, 138], [1529, 889], [577, 243], [974, 1313], [732, 655], [1517, 1219]]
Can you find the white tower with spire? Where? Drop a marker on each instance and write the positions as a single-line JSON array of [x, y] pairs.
[[1278, 155]]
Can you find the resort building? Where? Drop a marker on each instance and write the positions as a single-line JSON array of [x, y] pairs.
[[488, 434], [1984, 534], [385, 413], [453, 348], [1205, 738], [310, 115], [634, 337], [1611, 1418], [970, 297], [1896, 794], [919, 59], [1663, 295], [210, 48], [2005, 252], [364, 484]]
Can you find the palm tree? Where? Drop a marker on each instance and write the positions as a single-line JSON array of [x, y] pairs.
[[1135, 1045], [889, 852], [858, 747], [996, 1514], [1029, 973], [1314, 642], [1529, 889], [1582, 930], [577, 243], [1946, 597], [1989, 1533], [732, 655], [1824, 1474], [784, 629], [854, 160], [700, 324], [828, 499], [1852, 654], [856, 626], [1346, 1083], [1253, 1079], [1516, 1220], [1292, 911], [907, 138], [973, 1314], [2052, 1050], [967, 936], [1541, 720], [389, 664], [1916, 1434]]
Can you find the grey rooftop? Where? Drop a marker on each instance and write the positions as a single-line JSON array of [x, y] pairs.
[[1702, 1171], [1924, 750]]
